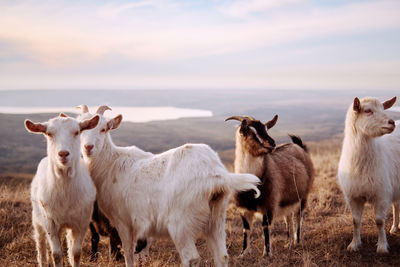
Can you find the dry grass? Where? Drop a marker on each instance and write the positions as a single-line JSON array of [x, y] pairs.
[[326, 229]]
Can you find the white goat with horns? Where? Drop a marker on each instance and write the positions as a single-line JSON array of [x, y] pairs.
[[62, 192], [369, 167], [179, 193]]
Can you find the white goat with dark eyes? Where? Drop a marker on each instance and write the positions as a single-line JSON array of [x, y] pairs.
[[369, 167], [62, 192], [180, 193]]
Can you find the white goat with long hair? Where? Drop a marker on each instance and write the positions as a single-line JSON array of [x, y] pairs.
[[180, 193], [62, 192], [369, 167]]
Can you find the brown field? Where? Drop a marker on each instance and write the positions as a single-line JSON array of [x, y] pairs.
[[327, 227]]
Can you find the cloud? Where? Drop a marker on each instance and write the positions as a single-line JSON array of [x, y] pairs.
[[166, 37], [242, 8], [113, 10], [73, 35]]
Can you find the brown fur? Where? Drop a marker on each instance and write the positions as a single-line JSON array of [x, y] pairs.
[[286, 173], [286, 178], [253, 146]]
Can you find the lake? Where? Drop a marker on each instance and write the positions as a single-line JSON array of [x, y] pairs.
[[132, 114]]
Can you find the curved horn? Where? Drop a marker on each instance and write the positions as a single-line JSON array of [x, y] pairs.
[[272, 122], [84, 108], [239, 118], [101, 109]]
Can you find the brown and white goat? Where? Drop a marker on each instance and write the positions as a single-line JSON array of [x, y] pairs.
[[286, 172]]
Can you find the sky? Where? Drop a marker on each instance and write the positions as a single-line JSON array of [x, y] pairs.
[[194, 44]]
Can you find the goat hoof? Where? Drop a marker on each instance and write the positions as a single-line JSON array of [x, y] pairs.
[[267, 254], [354, 246], [140, 245], [93, 258], [291, 244], [394, 229], [244, 253], [382, 249], [119, 257]]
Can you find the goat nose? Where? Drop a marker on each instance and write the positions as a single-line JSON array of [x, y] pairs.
[[63, 153], [391, 122], [88, 147]]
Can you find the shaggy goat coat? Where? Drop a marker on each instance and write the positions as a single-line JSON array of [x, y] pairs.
[[62, 192], [180, 193], [285, 181], [286, 172], [369, 167]]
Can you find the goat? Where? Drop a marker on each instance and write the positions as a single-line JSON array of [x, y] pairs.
[[100, 225], [286, 172], [179, 193], [369, 166], [62, 192]]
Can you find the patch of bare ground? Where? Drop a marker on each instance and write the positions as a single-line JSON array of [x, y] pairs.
[[327, 229]]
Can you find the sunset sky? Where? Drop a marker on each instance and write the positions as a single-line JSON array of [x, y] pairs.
[[164, 44]]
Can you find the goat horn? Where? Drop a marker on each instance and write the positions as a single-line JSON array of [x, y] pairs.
[[272, 122], [84, 108], [240, 118], [101, 109]]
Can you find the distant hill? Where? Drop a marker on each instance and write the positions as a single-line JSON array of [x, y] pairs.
[[21, 151], [314, 115]]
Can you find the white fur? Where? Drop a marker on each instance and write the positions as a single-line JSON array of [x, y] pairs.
[[62, 194], [369, 168], [168, 194]]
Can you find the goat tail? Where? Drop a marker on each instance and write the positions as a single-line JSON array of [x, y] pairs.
[[297, 140], [238, 182]]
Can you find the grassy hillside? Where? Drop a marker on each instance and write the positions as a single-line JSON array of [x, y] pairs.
[[313, 114], [317, 119], [327, 229], [21, 151]]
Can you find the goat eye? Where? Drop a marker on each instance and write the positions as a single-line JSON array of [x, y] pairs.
[[76, 133], [50, 135], [368, 111], [103, 130]]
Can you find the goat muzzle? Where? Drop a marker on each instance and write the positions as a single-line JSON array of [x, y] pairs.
[[88, 149], [63, 154]]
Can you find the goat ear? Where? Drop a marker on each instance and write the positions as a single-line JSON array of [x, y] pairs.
[[63, 115], [356, 105], [35, 127], [272, 122], [114, 123], [389, 103], [89, 124]]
